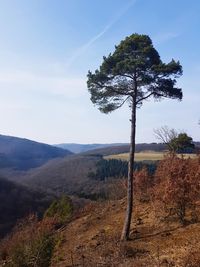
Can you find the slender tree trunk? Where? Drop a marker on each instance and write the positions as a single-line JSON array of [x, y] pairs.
[[128, 216]]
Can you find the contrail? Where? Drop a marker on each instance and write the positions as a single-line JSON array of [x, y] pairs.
[[84, 47]]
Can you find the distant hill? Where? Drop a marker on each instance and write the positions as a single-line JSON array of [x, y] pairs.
[[111, 150], [197, 144], [23, 154], [105, 151], [17, 201], [79, 148], [68, 175], [113, 147]]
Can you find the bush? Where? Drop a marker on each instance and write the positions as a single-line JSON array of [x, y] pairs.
[[30, 245], [142, 184], [177, 184], [60, 209]]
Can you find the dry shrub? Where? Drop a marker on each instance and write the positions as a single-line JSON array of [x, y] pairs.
[[31, 244], [116, 189], [142, 184], [177, 185]]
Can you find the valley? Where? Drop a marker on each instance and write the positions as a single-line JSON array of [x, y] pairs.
[[95, 181]]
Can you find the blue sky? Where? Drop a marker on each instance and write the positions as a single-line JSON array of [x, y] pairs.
[[48, 46]]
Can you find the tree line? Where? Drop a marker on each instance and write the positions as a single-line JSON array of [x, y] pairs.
[[114, 168]]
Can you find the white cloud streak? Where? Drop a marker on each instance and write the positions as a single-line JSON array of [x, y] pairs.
[[87, 45]]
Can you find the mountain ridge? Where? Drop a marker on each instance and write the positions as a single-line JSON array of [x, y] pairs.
[[23, 154], [80, 148]]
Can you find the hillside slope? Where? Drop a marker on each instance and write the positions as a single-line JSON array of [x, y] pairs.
[[110, 148], [118, 149], [80, 148], [68, 175], [17, 201], [80, 175], [23, 154], [93, 239]]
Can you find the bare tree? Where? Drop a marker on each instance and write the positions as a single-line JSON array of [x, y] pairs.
[[166, 135]]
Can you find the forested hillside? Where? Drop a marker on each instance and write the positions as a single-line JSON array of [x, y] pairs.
[[68, 175], [23, 154], [109, 148], [105, 151], [17, 201], [79, 148]]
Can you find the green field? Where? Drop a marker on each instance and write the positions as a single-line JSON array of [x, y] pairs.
[[148, 155]]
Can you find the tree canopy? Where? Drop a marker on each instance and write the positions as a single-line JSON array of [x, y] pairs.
[[178, 142], [183, 143], [134, 69]]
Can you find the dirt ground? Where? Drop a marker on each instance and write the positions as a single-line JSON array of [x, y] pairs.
[[93, 239]]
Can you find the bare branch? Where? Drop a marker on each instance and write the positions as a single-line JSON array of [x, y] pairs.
[[165, 134]]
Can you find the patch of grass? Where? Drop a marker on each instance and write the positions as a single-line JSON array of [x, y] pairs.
[[146, 155]]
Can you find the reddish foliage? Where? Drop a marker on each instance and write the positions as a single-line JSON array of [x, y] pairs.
[[31, 241], [142, 184], [177, 184]]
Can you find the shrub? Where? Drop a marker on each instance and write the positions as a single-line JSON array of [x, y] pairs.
[[60, 209], [177, 184], [30, 245], [142, 184]]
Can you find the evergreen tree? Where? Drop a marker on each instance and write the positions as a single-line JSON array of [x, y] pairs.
[[133, 73]]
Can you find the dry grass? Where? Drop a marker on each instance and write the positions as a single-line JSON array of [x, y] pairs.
[[31, 244], [93, 239], [146, 155]]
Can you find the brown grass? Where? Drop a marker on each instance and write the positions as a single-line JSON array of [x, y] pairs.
[[146, 155], [30, 244], [93, 239]]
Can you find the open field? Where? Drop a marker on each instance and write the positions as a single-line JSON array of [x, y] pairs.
[[146, 155]]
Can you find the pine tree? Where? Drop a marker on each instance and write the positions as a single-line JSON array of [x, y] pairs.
[[133, 73]]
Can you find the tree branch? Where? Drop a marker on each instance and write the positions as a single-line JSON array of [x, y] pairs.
[[143, 98], [147, 96], [123, 102], [113, 89], [122, 75]]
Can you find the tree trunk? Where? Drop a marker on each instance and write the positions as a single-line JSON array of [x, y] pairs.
[[127, 222]]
